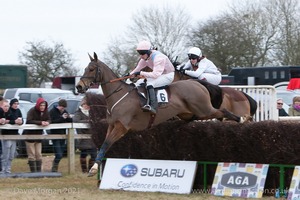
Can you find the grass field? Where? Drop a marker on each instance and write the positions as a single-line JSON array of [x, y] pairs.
[[77, 186]]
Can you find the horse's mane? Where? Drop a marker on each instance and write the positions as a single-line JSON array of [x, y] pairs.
[[102, 63]]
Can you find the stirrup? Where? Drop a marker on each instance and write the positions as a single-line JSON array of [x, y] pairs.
[[148, 108]]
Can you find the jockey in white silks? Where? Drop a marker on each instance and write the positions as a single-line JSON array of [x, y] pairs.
[[200, 67]]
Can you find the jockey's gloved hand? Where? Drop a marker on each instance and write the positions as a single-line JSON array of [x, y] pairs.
[[127, 74], [136, 73], [182, 71], [180, 67]]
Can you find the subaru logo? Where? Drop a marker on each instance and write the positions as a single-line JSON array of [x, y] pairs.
[[129, 170]]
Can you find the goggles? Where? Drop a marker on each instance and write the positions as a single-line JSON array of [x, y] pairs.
[[193, 56], [142, 52]]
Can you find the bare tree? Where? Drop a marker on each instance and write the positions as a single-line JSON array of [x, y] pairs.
[[166, 28], [249, 34], [120, 57], [46, 62], [289, 39], [235, 38]]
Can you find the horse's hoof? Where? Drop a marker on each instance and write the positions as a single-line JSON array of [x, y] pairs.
[[94, 169], [246, 118], [92, 172]]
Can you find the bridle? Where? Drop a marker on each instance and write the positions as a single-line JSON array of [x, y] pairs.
[[88, 77], [95, 78]]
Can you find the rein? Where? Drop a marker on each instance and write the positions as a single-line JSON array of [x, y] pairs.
[[117, 79]]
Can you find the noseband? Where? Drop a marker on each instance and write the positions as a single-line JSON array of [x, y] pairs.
[[95, 77]]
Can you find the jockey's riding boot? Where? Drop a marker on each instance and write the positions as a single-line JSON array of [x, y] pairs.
[[152, 105], [32, 165], [38, 165]]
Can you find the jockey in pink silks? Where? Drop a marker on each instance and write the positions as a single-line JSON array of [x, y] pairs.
[[162, 72]]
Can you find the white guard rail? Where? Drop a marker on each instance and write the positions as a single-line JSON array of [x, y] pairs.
[[265, 95]]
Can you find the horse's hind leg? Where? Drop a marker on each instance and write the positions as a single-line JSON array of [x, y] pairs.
[[232, 116], [113, 134]]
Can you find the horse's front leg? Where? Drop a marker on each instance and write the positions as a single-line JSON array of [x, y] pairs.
[[114, 133]]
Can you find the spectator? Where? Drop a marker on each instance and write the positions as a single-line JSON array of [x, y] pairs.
[[86, 146], [38, 115], [4, 106], [59, 114], [281, 111], [13, 116], [294, 109]]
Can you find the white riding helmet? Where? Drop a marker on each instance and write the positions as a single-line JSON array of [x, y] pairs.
[[195, 51], [143, 45]]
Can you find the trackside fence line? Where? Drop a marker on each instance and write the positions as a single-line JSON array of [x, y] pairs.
[[289, 118], [70, 136]]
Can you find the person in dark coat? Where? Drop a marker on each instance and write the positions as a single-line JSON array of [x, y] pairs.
[[281, 111], [13, 116], [86, 146], [59, 114], [38, 115]]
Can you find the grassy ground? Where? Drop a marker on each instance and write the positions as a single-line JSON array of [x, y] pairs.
[[77, 186]]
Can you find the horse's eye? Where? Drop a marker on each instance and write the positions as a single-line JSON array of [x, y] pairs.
[[91, 68]]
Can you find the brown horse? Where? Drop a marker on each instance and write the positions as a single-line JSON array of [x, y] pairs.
[[188, 99], [235, 101]]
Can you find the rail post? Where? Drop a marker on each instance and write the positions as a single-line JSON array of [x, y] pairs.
[[71, 151]]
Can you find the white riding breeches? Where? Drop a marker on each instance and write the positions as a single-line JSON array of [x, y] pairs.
[[211, 78], [162, 80]]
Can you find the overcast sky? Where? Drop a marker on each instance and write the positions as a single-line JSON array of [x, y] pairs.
[[81, 25]]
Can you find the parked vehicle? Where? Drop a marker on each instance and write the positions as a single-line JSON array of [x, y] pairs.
[[72, 101], [32, 94]]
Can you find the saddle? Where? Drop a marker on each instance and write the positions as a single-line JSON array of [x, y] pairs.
[[162, 95]]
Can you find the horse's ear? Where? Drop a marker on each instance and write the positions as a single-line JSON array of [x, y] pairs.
[[90, 57], [95, 56]]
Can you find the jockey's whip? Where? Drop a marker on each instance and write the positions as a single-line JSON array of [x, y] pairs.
[[121, 78]]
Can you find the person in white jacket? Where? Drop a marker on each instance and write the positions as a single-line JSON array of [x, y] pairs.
[[162, 73], [200, 67]]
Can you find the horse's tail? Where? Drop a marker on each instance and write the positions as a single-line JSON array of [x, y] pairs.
[[253, 104]]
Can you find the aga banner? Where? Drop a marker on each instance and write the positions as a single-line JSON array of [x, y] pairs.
[[240, 180]]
